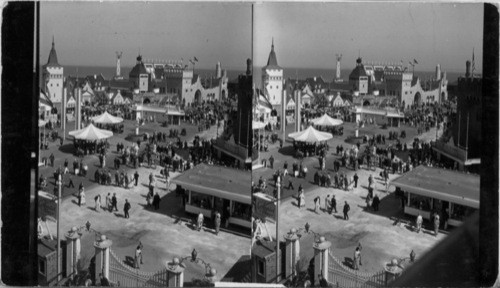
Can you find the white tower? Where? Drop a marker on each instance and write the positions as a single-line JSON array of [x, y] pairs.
[[118, 65], [438, 72], [53, 77], [272, 80], [337, 74]]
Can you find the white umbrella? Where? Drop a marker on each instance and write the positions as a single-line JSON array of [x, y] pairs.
[[41, 123], [326, 120], [258, 125], [91, 133], [310, 135], [107, 118]]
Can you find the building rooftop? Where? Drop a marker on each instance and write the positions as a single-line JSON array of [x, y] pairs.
[[217, 181], [263, 248], [453, 186], [52, 61], [46, 247], [272, 61]]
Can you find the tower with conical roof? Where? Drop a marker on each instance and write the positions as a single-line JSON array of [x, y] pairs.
[[53, 77], [140, 76], [272, 80]]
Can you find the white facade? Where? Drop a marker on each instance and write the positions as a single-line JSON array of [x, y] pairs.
[[272, 80], [54, 79]]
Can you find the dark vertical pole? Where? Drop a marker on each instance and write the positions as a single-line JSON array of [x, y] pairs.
[[488, 207]]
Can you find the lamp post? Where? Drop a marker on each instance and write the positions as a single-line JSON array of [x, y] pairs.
[[58, 252], [278, 197]]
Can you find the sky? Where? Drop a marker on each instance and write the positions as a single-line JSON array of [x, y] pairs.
[[89, 33], [309, 35]]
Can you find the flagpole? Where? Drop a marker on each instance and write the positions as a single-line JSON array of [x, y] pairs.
[[467, 137]]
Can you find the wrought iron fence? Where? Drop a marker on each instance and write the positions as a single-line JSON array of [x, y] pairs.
[[122, 275], [341, 276]]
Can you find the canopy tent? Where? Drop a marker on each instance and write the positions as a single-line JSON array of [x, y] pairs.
[[258, 125], [310, 135], [91, 133], [107, 118], [326, 120]]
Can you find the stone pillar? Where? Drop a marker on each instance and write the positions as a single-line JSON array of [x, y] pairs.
[[175, 276], [321, 251], [211, 276], [291, 253], [102, 258], [63, 112], [72, 253], [298, 104]]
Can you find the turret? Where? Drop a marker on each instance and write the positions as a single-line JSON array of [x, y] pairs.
[[467, 69], [438, 72], [218, 71]]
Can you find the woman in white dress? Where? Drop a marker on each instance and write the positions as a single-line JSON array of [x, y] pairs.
[[97, 203], [200, 221]]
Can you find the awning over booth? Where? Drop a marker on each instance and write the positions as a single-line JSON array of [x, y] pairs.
[[91, 133], [326, 120], [310, 135], [107, 118], [447, 185], [217, 181]]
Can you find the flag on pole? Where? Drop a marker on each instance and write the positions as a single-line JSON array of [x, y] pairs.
[[195, 59], [415, 61]]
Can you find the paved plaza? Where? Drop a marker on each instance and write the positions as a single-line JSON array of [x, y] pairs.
[[380, 238], [162, 235]]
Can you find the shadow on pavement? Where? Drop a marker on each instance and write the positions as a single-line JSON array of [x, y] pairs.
[[348, 262], [67, 148]]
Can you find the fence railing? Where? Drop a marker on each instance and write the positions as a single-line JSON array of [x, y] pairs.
[[341, 276], [122, 275]]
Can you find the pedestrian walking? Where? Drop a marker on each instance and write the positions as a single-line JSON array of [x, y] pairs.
[[81, 196], [138, 256], [419, 223], [136, 177], [109, 205], [436, 224], [271, 162], [368, 201], [317, 203], [327, 203], [199, 221], [52, 158], [357, 258], [346, 211], [66, 169], [70, 182], [114, 203], [333, 205], [156, 201], [217, 222], [126, 209], [375, 203], [446, 216], [356, 177], [290, 184], [97, 200]]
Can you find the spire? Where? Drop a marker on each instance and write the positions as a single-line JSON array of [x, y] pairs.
[[52, 62], [272, 61]]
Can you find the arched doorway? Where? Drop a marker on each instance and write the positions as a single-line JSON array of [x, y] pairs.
[[443, 96], [223, 95], [366, 103], [146, 101], [197, 96], [418, 99]]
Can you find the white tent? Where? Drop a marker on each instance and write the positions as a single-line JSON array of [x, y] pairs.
[[258, 125], [326, 120], [107, 118], [91, 133], [310, 135]]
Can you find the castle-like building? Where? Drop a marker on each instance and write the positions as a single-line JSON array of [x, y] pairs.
[[53, 77], [397, 81], [272, 80]]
